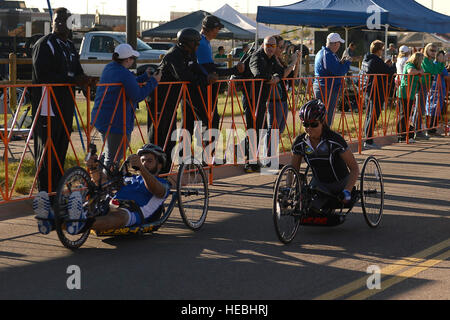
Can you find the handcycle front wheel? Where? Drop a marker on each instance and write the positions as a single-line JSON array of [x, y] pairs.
[[286, 211], [372, 191], [74, 179], [193, 195]]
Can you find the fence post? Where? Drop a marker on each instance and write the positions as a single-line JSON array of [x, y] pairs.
[[12, 81]]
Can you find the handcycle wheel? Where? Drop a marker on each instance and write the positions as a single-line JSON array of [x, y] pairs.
[[193, 195], [286, 209], [74, 179], [372, 191]]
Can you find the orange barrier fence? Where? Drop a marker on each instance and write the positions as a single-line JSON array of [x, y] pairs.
[[232, 113]]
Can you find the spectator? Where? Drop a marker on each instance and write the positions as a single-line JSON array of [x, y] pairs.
[[438, 92], [179, 64], [327, 65], [401, 61], [277, 104], [375, 94], [391, 52], [350, 52], [220, 53], [245, 49], [407, 92], [261, 66], [107, 115], [55, 61], [211, 26], [431, 70]]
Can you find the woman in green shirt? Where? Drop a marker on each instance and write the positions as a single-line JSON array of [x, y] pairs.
[[407, 92], [431, 69]]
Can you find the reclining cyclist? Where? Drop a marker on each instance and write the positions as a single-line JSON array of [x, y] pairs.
[[334, 168], [146, 190]]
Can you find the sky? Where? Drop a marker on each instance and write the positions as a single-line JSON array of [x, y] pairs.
[[147, 9]]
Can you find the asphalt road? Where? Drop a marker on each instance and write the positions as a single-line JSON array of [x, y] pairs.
[[237, 256]]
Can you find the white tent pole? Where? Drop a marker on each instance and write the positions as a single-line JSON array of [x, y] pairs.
[[301, 53], [346, 37], [386, 26], [256, 36]]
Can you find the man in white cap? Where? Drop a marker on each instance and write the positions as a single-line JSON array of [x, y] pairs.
[[326, 65]]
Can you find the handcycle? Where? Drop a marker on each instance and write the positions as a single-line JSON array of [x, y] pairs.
[[293, 196], [189, 191]]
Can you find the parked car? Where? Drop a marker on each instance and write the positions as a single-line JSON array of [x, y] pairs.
[[99, 45], [161, 45]]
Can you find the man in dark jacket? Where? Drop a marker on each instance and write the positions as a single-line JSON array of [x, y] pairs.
[[376, 87], [54, 61], [211, 25], [179, 64], [261, 66]]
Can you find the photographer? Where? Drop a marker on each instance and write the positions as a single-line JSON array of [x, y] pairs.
[[108, 115], [328, 69]]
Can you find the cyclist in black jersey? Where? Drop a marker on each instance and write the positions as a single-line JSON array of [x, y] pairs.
[[333, 165]]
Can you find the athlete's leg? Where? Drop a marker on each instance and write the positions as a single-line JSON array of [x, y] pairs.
[[116, 218]]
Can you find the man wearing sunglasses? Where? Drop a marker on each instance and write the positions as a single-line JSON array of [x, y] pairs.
[[261, 67], [333, 165]]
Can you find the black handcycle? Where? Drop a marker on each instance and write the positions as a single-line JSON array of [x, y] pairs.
[[294, 194], [189, 191]]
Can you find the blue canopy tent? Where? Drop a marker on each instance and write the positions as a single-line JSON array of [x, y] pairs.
[[400, 15], [394, 15]]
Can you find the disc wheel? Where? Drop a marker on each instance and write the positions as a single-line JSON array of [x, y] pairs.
[[193, 195], [286, 209], [74, 179], [372, 192]]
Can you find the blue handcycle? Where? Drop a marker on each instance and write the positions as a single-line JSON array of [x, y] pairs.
[[189, 191]]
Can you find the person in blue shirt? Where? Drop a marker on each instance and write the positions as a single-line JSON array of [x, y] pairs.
[[326, 66], [211, 26], [108, 115], [146, 190]]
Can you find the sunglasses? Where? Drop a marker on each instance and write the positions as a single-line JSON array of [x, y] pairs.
[[313, 124], [270, 45]]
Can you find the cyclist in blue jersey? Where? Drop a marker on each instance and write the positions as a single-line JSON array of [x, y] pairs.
[[333, 165], [146, 190]]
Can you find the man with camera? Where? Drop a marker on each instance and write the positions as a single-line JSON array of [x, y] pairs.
[[328, 70]]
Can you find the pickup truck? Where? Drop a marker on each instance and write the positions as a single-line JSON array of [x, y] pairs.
[[99, 45]]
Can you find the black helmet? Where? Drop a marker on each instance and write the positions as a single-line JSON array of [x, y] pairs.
[[313, 110], [157, 151], [188, 36], [211, 22]]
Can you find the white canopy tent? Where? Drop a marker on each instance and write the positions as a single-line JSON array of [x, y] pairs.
[[226, 12]]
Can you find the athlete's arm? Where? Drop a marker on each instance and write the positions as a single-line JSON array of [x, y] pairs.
[[296, 161], [151, 183], [352, 165]]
